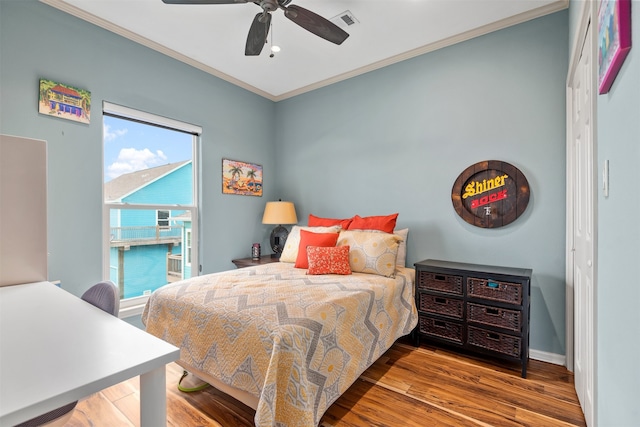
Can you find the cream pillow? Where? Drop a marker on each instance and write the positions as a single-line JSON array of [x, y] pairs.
[[371, 252], [402, 248], [290, 251]]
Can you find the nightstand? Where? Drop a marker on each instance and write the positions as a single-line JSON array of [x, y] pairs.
[[249, 262]]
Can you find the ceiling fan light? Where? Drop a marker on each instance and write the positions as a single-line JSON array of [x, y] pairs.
[[275, 49]]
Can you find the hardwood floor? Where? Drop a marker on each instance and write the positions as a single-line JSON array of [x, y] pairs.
[[406, 387]]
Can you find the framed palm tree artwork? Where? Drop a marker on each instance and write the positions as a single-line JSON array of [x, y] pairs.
[[241, 178]]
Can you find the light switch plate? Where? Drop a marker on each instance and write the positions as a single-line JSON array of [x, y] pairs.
[[605, 179]]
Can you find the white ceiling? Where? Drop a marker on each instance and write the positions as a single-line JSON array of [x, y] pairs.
[[212, 37]]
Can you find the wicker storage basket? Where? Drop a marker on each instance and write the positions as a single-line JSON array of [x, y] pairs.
[[495, 341], [451, 331], [495, 290], [494, 316], [440, 282], [441, 305]]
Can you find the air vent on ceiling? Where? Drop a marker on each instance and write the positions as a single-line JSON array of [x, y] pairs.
[[344, 19]]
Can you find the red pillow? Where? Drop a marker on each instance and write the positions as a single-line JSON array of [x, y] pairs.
[[316, 221], [333, 260], [386, 223], [307, 238]]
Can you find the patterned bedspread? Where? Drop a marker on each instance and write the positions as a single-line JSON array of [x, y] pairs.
[[296, 342]]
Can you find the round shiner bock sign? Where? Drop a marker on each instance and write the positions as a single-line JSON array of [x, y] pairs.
[[490, 194]]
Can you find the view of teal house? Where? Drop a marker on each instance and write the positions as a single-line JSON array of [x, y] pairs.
[[147, 248]]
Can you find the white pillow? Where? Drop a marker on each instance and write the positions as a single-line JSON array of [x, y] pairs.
[[290, 251]]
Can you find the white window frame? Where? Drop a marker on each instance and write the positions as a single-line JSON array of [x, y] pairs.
[[134, 306], [188, 235]]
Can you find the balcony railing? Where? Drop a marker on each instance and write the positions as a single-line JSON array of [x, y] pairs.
[[145, 235], [174, 267]]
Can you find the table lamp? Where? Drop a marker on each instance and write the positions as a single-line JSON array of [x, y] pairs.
[[279, 213]]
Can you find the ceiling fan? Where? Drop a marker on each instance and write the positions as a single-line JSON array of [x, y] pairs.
[[257, 36]]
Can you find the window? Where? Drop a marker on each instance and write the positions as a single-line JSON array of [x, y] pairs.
[[150, 201], [162, 218], [187, 239]]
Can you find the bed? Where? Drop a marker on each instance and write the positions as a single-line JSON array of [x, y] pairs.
[[282, 341]]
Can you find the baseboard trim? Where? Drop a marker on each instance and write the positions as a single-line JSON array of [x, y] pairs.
[[543, 356]]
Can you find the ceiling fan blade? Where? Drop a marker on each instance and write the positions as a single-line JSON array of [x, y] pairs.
[[258, 34], [204, 1], [316, 24]]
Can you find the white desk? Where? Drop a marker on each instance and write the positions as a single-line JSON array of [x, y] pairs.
[[56, 348]]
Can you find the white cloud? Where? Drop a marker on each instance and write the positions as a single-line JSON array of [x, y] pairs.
[[110, 135], [132, 160]]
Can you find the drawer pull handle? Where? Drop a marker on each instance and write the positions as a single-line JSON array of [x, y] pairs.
[[493, 336], [439, 277], [440, 300], [439, 324], [492, 311]]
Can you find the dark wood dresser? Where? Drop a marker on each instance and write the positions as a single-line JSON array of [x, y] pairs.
[[478, 308]]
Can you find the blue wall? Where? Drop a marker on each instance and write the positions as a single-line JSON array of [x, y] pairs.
[[145, 268], [396, 139], [174, 188], [618, 251], [124, 73], [393, 140]]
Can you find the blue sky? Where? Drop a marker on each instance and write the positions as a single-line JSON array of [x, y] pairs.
[[130, 146]]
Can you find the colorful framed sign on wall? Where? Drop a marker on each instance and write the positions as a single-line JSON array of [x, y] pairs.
[[490, 194], [241, 178], [63, 101], [614, 40]]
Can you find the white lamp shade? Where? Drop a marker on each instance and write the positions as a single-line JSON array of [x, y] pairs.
[[279, 213]]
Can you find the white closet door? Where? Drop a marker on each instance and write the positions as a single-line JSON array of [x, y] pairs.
[[583, 197]]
